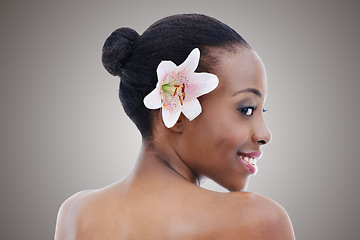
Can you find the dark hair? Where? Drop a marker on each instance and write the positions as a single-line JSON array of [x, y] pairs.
[[135, 58]]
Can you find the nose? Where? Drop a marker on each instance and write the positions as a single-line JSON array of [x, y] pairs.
[[261, 134]]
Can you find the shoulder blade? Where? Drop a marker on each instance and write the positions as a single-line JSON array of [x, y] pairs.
[[261, 218]]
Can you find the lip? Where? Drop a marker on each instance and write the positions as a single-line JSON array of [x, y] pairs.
[[252, 168], [256, 154]]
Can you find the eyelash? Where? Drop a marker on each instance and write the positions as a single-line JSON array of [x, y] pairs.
[[252, 109]]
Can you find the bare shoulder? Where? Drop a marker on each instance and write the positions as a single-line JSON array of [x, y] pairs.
[[259, 217], [79, 214]]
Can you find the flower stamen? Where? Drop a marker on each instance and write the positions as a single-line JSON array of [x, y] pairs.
[[183, 90], [180, 100]]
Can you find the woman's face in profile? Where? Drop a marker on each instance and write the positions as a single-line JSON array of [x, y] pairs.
[[225, 140]]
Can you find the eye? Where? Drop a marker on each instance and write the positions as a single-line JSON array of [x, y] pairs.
[[265, 110], [247, 111]]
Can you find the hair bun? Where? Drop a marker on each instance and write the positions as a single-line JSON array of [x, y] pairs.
[[117, 49]]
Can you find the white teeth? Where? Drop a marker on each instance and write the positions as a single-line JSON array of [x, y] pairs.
[[250, 160]]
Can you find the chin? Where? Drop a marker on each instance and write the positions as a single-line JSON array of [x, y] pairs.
[[237, 186]]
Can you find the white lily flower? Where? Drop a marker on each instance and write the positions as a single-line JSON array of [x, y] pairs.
[[179, 87]]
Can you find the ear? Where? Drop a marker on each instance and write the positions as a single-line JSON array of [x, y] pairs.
[[179, 125], [177, 128]]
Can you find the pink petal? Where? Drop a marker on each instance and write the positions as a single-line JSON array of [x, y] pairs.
[[200, 84], [170, 117], [191, 109], [153, 100], [191, 62], [164, 69]]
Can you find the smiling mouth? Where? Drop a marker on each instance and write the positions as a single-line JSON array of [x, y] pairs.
[[249, 159]]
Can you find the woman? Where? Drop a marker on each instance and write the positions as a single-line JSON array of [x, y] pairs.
[[207, 124]]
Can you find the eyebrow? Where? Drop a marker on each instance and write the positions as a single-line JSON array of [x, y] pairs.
[[251, 90]]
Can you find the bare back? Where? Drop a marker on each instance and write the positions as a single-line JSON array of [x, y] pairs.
[[174, 209]]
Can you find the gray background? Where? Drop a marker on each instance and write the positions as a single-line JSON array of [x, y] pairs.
[[63, 130]]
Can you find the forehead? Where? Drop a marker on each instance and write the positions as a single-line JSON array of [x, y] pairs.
[[241, 69]]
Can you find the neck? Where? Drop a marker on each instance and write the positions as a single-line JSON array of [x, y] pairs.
[[155, 160]]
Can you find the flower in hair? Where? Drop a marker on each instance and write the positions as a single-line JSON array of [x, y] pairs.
[[179, 87]]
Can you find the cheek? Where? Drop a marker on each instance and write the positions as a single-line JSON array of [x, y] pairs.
[[230, 134], [222, 123], [212, 152], [221, 137], [214, 136]]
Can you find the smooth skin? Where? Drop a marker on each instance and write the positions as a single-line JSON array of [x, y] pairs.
[[161, 199]]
